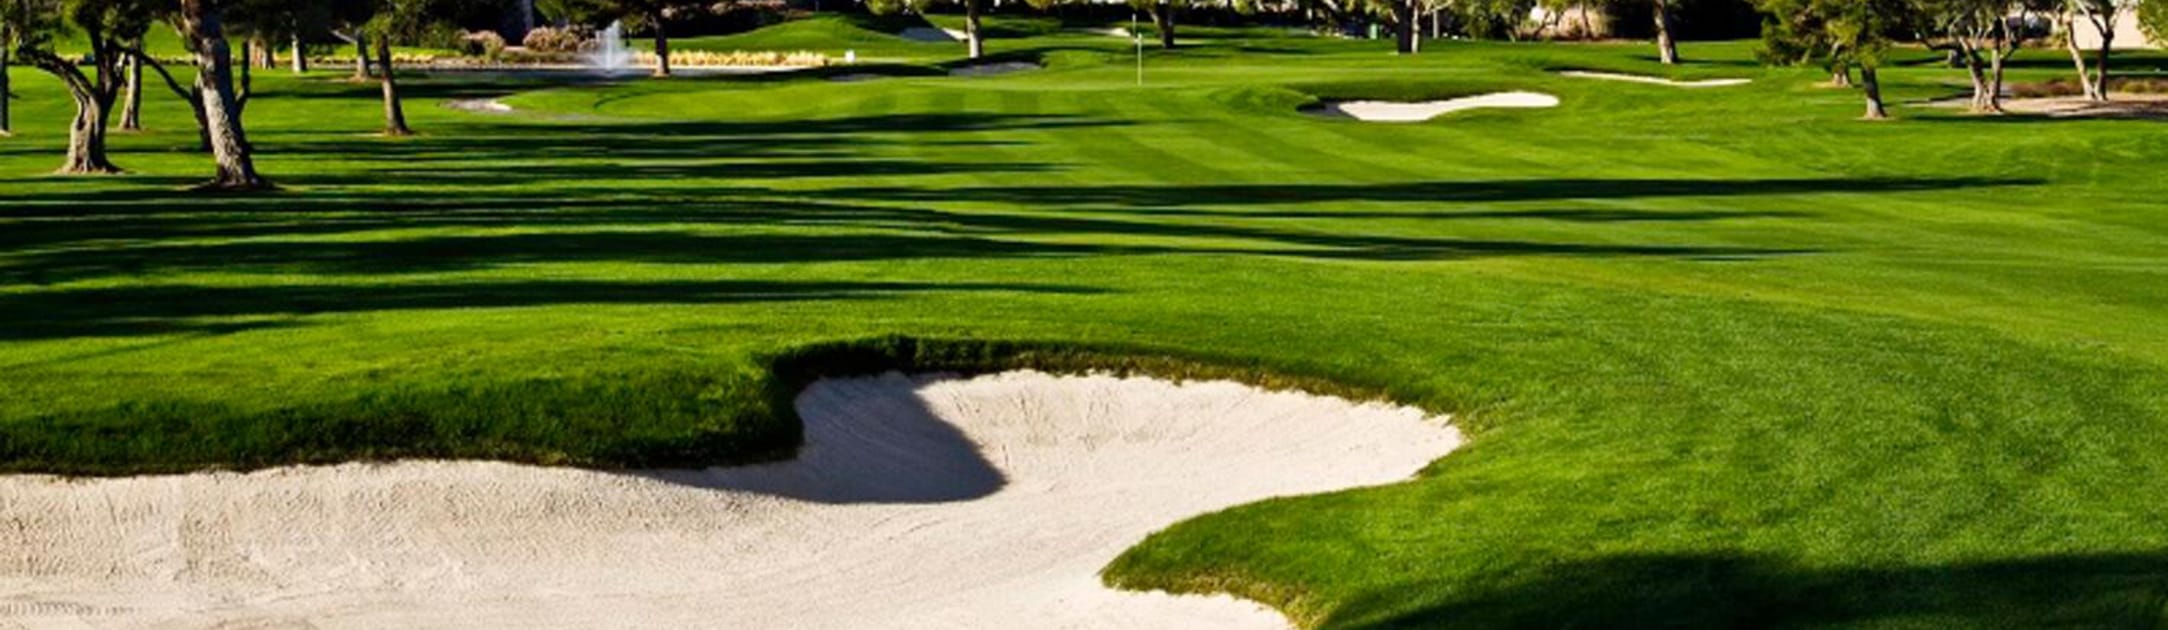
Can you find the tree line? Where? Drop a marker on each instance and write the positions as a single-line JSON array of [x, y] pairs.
[[215, 84], [1847, 37]]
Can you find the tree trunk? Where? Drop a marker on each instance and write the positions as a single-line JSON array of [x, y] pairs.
[[203, 25], [972, 37], [7, 86], [1404, 27], [2077, 57], [131, 104], [1667, 49], [2003, 48], [1873, 90], [361, 57], [1983, 96], [1840, 75], [86, 137], [2100, 64], [1163, 19], [662, 46], [394, 111], [301, 54]]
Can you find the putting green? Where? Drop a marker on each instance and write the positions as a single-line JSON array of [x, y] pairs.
[[1726, 356]]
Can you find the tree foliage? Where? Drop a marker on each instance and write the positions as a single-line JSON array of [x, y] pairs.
[[2153, 18]]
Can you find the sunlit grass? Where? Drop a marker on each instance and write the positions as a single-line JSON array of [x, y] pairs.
[[1730, 357]]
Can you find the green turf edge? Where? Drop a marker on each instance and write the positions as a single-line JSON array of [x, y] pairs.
[[684, 417]]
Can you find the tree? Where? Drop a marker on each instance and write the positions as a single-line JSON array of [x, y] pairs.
[[291, 21], [394, 19], [350, 18], [974, 33], [1162, 12], [654, 15], [1971, 29], [131, 98], [202, 27], [1667, 45], [1839, 33], [105, 25], [2104, 16], [8, 19]]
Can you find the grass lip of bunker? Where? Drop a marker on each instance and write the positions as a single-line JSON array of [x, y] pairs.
[[1420, 111]]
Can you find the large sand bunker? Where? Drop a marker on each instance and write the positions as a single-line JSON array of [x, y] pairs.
[[1390, 111], [917, 503], [1636, 78]]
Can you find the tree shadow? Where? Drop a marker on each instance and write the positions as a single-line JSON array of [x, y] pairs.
[[932, 234], [1567, 215], [1744, 591], [150, 310], [867, 440], [1435, 192]]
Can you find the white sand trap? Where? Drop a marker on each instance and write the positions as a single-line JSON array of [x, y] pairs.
[[480, 105], [917, 503], [1636, 78], [1389, 111], [993, 69], [2119, 105]]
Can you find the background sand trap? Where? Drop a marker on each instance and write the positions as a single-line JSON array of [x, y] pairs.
[[480, 106], [1388, 111], [917, 503], [1635, 78], [2119, 105]]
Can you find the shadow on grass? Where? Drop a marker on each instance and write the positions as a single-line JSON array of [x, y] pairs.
[[128, 311], [1738, 591], [1457, 191], [934, 235], [138, 232]]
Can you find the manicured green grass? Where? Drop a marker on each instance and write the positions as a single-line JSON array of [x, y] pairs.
[[1729, 356]]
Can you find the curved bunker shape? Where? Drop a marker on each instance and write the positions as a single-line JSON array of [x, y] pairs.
[[1391, 111], [989, 502]]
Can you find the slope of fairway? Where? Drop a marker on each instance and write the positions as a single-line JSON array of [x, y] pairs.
[[1726, 357]]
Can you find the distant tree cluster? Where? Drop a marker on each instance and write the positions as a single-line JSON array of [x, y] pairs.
[[1978, 35], [1846, 37]]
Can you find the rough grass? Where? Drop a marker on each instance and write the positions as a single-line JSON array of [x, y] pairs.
[[1729, 356]]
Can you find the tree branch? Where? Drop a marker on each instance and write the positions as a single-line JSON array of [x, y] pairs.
[[186, 94]]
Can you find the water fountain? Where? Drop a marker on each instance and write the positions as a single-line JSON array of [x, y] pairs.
[[610, 55]]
